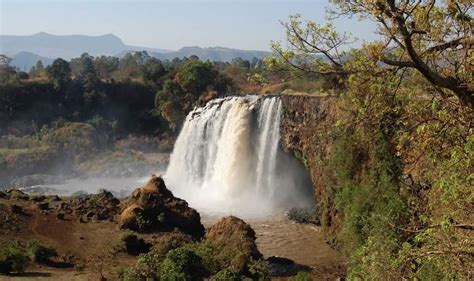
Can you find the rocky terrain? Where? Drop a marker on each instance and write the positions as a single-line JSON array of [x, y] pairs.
[[99, 237]]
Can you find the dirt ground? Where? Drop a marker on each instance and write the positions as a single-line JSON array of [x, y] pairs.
[[89, 246]]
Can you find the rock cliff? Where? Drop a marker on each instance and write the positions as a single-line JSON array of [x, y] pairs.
[[305, 132]]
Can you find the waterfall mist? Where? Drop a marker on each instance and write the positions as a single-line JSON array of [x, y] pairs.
[[227, 160]]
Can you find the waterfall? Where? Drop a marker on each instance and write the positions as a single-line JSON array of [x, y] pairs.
[[227, 159]]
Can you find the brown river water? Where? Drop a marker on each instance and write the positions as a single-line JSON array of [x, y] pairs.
[[302, 243]]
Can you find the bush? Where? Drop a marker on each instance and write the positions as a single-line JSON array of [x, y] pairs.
[[182, 264], [40, 253], [177, 259], [225, 275], [128, 274], [258, 269], [208, 254], [302, 276], [12, 259], [76, 139], [149, 265]]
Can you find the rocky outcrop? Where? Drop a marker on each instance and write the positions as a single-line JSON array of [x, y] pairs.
[[234, 236], [305, 132], [154, 208], [101, 206]]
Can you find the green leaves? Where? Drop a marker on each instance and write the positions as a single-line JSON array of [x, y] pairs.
[[59, 73], [195, 76]]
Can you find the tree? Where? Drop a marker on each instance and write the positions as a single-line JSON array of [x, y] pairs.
[[4, 60], [88, 74], [37, 69], [171, 102], [105, 66], [406, 110], [435, 40], [195, 76], [131, 64], [170, 91], [153, 70], [59, 73], [6, 71], [239, 62]]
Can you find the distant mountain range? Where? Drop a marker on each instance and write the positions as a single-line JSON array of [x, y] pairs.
[[25, 60], [27, 50], [212, 54]]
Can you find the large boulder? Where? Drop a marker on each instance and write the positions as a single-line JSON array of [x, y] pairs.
[[236, 241], [154, 208]]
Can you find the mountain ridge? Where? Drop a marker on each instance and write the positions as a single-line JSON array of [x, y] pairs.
[[24, 49]]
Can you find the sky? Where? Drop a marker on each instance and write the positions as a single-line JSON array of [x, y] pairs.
[[166, 24]]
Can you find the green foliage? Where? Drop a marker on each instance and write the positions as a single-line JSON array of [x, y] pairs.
[[176, 259], [225, 275], [39, 252], [78, 139], [182, 264], [129, 274], [59, 73], [170, 91], [37, 70], [149, 265], [12, 259], [207, 253], [144, 223], [88, 73], [302, 276], [398, 191], [258, 269], [153, 70], [8, 74], [195, 76], [106, 66]]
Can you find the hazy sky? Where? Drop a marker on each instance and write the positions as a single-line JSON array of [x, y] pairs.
[[243, 24]]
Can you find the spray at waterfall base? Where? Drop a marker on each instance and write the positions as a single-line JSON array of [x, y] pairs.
[[227, 160]]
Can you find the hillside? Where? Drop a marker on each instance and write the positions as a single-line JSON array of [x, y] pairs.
[[25, 60]]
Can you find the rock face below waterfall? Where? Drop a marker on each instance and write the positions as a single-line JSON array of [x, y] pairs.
[[154, 208], [305, 127]]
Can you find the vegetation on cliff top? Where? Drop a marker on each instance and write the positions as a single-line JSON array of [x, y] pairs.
[[399, 173]]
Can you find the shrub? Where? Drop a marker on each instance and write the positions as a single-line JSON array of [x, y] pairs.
[[12, 259], [75, 139], [302, 276], [182, 264], [149, 265], [258, 269], [143, 222], [128, 274], [40, 253], [208, 254], [225, 275], [177, 259]]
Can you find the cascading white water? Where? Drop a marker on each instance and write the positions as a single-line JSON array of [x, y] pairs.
[[227, 159]]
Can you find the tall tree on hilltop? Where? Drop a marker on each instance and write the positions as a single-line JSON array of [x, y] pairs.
[[88, 73], [59, 73]]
